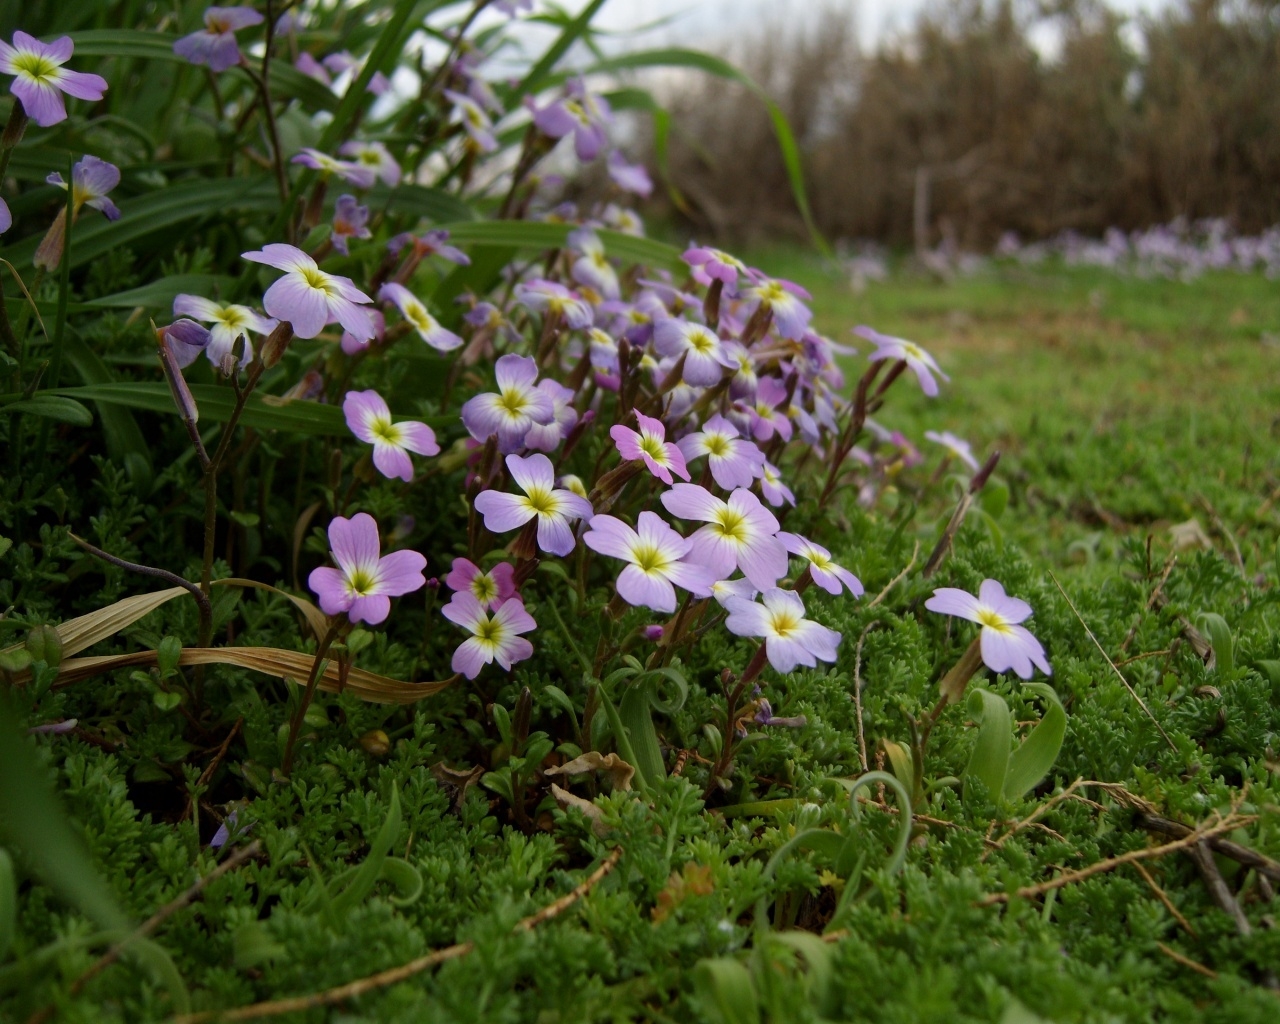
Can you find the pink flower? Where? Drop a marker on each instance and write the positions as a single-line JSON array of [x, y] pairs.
[[657, 556], [548, 297], [495, 638], [350, 220], [740, 533], [554, 507], [364, 583], [629, 177], [309, 298], [766, 418], [920, 362], [215, 44], [713, 264], [490, 588], [428, 327], [790, 316], [651, 446], [370, 420], [789, 638], [824, 572], [40, 80], [734, 462], [1005, 644], [517, 405]]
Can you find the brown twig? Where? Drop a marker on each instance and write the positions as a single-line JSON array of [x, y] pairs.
[[1119, 675], [857, 687], [1163, 897], [1044, 808], [152, 923], [1264, 866], [1186, 961], [341, 993], [1227, 824], [976, 484], [897, 579]]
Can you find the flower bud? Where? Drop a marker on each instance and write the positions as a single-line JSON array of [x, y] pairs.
[[44, 644]]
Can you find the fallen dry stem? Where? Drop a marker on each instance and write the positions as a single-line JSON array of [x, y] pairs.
[[1228, 824], [382, 979], [1163, 897], [1186, 961], [857, 685], [1044, 808], [1119, 675], [897, 579]]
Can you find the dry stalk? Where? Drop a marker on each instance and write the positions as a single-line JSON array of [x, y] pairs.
[[341, 993], [1163, 897]]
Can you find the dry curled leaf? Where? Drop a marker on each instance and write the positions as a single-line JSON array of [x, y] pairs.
[[695, 880], [1189, 535], [620, 773], [568, 800]]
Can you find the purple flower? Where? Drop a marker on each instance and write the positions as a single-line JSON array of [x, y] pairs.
[[921, 363], [592, 268], [582, 113], [549, 298], [651, 446], [790, 316], [186, 339], [475, 122], [364, 583], [433, 243], [629, 177], [496, 638], [40, 80], [230, 321], [1005, 644], [91, 180], [734, 462], [312, 68], [774, 490], [740, 533], [355, 174], [215, 44], [824, 572], [713, 264], [956, 446], [351, 344], [6, 218], [370, 420], [705, 359], [547, 437], [429, 328], [490, 588], [350, 220], [516, 407], [766, 418], [657, 556], [765, 716], [789, 638], [554, 507], [309, 298], [376, 157]]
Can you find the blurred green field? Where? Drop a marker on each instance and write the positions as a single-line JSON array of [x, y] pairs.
[[1121, 405]]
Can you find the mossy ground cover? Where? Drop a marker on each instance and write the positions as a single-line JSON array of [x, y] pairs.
[[1122, 408]]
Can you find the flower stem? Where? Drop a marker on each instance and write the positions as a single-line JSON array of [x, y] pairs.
[[295, 723]]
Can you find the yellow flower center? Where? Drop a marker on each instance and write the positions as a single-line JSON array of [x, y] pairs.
[[541, 500], [784, 622], [36, 67], [649, 557], [653, 448], [731, 524], [717, 444], [230, 318], [912, 350], [484, 588], [488, 631], [318, 280], [702, 342], [993, 620], [361, 582], [385, 430], [512, 401]]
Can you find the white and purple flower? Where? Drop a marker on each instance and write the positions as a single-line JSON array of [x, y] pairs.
[[230, 321], [490, 588], [705, 358], [494, 637], [733, 460], [555, 508], [428, 327], [789, 638], [740, 533], [517, 405], [40, 79], [215, 44], [1006, 646], [365, 581], [369, 418], [917, 359], [650, 445], [822, 570], [657, 557], [308, 298]]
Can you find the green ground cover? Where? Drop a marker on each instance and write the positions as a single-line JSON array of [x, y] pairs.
[[1122, 408]]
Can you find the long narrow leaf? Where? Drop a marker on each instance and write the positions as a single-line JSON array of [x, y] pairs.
[[989, 761], [1032, 760]]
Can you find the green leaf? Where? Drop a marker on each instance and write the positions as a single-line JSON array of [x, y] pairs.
[[159, 294], [1215, 627], [125, 443], [989, 761], [1032, 760], [726, 992], [370, 869], [540, 73], [8, 904], [52, 407], [682, 58], [434, 204]]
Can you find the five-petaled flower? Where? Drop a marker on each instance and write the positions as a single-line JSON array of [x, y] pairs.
[[956, 446], [1005, 644], [789, 638], [822, 570], [230, 321], [733, 460], [517, 405], [495, 637], [657, 556], [40, 79], [917, 359], [370, 420], [705, 358], [490, 588], [309, 298], [554, 507], [364, 583], [91, 180], [739, 533], [215, 44], [650, 445]]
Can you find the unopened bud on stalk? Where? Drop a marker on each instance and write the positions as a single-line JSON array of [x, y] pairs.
[[277, 344]]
